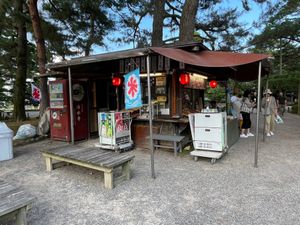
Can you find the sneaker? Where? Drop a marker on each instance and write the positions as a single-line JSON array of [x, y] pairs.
[[243, 136], [271, 133], [250, 134], [268, 135]]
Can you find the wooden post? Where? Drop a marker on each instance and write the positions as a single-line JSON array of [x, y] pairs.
[[21, 217], [126, 170], [49, 166], [175, 148], [108, 179]]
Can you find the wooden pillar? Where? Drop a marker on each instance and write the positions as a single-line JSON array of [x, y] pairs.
[[108, 179], [126, 170], [49, 166], [21, 217]]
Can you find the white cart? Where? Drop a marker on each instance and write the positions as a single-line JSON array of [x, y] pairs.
[[209, 134], [114, 131]]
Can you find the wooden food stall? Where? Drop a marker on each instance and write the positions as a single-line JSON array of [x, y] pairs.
[[172, 97]]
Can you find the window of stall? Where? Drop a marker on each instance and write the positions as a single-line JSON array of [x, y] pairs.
[[160, 92], [192, 94]]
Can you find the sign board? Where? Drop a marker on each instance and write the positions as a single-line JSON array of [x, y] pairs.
[[133, 96]]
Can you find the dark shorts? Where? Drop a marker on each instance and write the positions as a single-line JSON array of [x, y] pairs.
[[246, 120]]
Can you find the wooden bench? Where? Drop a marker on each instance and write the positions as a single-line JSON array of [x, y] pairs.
[[93, 158], [176, 139], [14, 203]]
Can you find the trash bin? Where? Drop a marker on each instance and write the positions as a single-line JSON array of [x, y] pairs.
[[6, 149]]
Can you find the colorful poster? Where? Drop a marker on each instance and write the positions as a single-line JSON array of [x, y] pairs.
[[35, 92], [133, 96]]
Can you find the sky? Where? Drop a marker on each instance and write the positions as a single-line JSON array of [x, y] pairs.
[[247, 18]]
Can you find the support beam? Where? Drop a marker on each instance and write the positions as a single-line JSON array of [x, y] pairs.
[[257, 114], [150, 117], [71, 105]]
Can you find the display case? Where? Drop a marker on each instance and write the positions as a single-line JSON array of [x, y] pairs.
[[114, 130]]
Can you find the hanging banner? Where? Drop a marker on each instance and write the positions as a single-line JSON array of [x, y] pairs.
[[133, 96], [35, 93]]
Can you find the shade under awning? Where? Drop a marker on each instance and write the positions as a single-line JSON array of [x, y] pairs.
[[243, 65]]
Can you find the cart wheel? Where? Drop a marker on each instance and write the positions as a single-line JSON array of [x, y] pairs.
[[213, 160], [195, 158]]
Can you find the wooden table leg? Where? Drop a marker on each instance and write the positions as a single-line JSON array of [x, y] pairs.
[[108, 180], [175, 148], [126, 170], [21, 217], [49, 166], [180, 147]]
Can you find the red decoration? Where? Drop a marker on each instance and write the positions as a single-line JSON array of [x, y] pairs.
[[184, 78], [213, 84], [116, 81]]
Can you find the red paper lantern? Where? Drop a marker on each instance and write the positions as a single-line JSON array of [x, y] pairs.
[[184, 78], [116, 81], [213, 84]]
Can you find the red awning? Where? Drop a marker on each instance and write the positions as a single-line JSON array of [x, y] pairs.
[[239, 66]]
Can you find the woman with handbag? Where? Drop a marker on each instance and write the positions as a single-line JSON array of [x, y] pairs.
[[246, 108]]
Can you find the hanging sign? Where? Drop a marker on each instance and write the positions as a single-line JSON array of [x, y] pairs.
[[133, 96], [36, 93]]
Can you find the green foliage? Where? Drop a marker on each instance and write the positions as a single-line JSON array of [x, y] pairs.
[[218, 94], [8, 53], [280, 37], [284, 83], [81, 24]]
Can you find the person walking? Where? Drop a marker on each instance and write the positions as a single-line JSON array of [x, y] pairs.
[[281, 104], [269, 110], [246, 108]]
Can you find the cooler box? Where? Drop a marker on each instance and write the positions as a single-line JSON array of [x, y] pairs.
[[6, 135]]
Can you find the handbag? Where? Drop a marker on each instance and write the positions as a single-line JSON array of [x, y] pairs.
[[245, 108], [278, 119]]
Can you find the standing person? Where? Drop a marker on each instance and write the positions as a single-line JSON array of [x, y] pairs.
[[269, 109], [246, 108], [281, 104], [253, 100], [236, 105]]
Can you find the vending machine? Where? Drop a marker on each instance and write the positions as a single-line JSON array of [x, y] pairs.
[[60, 118]]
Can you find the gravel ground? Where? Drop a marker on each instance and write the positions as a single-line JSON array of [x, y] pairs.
[[231, 191]]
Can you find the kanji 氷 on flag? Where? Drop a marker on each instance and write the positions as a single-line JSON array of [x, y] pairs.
[[35, 92], [133, 96]]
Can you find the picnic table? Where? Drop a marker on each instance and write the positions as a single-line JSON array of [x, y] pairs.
[[93, 158], [14, 203]]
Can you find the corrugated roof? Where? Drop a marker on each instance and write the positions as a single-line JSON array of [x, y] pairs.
[[244, 65], [210, 58], [238, 66]]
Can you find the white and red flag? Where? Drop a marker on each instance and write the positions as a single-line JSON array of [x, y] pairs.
[[35, 92]]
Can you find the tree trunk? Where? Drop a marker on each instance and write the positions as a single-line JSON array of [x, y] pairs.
[[158, 20], [20, 83], [88, 46], [298, 97], [187, 21], [41, 52]]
